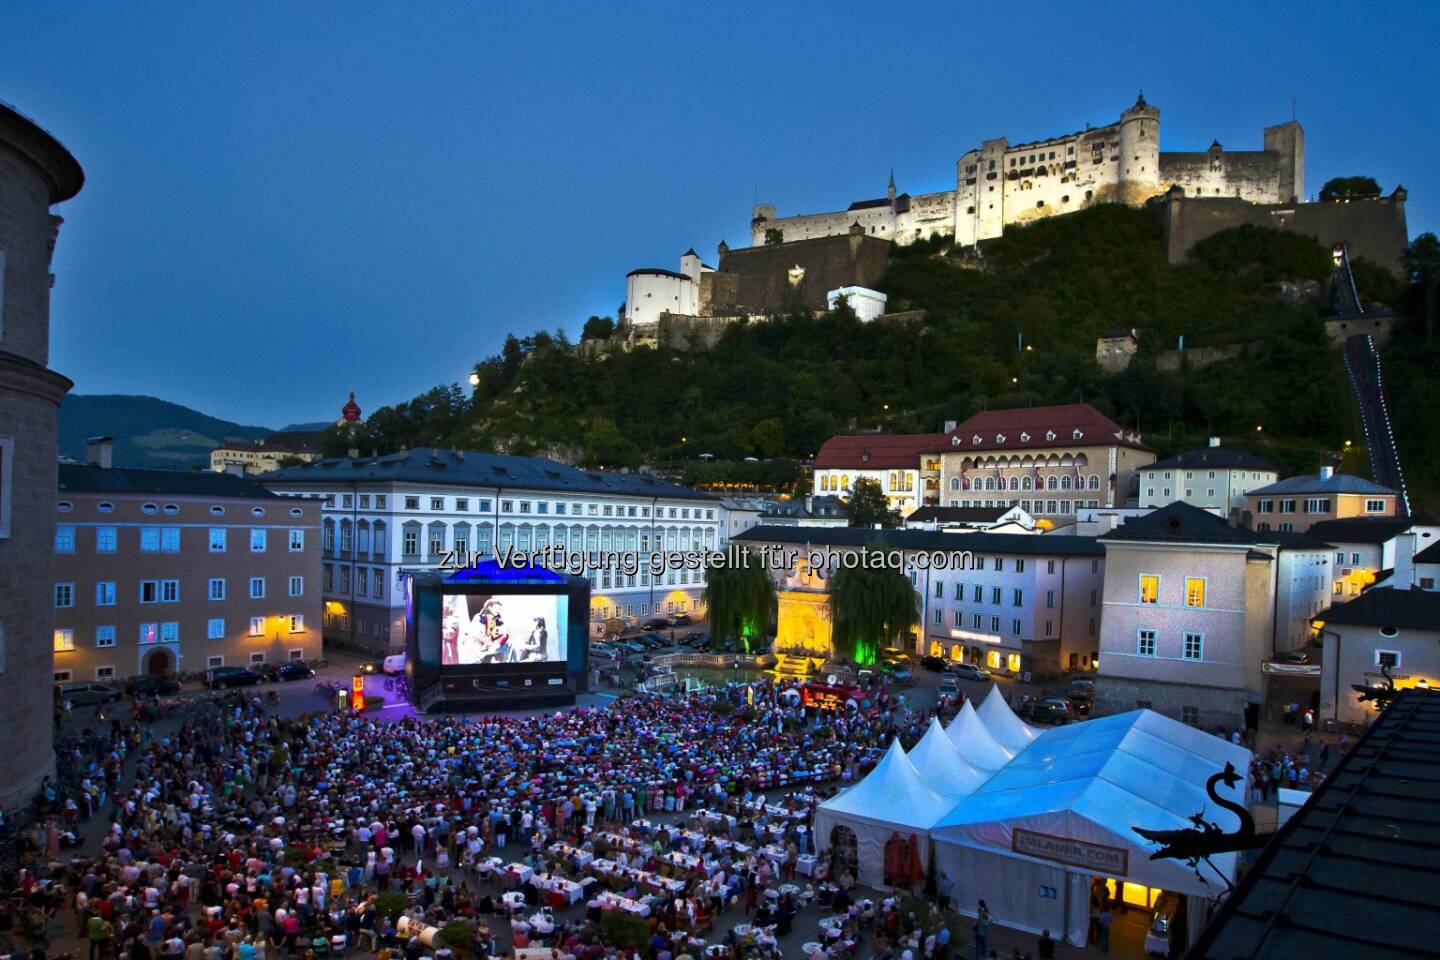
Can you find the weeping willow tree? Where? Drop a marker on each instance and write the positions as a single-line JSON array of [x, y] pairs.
[[872, 606], [739, 599]]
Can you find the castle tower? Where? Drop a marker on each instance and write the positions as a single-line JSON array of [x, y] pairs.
[[1139, 173], [690, 264], [1288, 140]]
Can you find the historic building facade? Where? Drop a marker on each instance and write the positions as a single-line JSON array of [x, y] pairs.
[[166, 571], [1000, 183], [423, 509], [36, 172]]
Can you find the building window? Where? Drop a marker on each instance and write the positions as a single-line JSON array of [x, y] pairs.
[[257, 626], [939, 617], [170, 632], [105, 636], [64, 640], [105, 540], [169, 591], [149, 591], [1190, 715], [296, 623], [212, 662], [297, 540], [379, 590], [1015, 628], [1018, 599], [149, 539], [297, 586], [437, 503], [1317, 505], [149, 634], [215, 629], [1287, 505], [1145, 643], [217, 539], [65, 538], [412, 503], [257, 588], [1194, 646], [257, 541], [105, 593], [1265, 506], [64, 595], [1374, 506], [1194, 592], [1149, 588], [1388, 658]]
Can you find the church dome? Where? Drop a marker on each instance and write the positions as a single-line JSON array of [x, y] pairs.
[[350, 413]]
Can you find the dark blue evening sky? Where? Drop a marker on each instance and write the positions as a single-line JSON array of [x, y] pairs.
[[287, 200]]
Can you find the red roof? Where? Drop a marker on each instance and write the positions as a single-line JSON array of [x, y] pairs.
[[1029, 428], [350, 413], [876, 451]]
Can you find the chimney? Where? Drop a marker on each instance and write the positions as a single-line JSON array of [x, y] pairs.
[[1214, 441], [1404, 577], [1326, 472], [100, 452]]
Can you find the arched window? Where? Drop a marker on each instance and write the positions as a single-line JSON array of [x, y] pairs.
[[1065, 482], [1014, 483], [1050, 483], [1094, 481], [989, 483], [954, 484], [1026, 482]]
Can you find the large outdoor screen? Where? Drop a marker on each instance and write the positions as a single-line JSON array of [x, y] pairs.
[[503, 628]]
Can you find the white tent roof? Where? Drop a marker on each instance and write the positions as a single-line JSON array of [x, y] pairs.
[[1096, 781], [893, 794], [941, 766], [1009, 731], [974, 742]]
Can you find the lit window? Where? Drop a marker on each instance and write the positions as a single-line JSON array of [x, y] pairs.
[[64, 640], [257, 626], [1194, 592], [1149, 588]]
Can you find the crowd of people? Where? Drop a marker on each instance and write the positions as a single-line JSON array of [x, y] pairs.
[[246, 836]]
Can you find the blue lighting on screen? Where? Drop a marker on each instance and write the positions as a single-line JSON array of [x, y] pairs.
[[488, 571]]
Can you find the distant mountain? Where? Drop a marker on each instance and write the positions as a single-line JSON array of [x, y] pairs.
[[148, 432], [318, 426]]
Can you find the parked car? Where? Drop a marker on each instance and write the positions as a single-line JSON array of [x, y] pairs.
[[969, 671], [934, 664], [894, 655], [1297, 656], [679, 620], [898, 672], [83, 694], [222, 678], [393, 664], [949, 686], [1081, 694], [292, 670], [1056, 710], [148, 686], [655, 623], [692, 640]]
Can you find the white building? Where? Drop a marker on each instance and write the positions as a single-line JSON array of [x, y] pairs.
[[1194, 608], [1213, 478], [651, 291], [998, 519], [867, 304], [1367, 547], [900, 462], [431, 508]]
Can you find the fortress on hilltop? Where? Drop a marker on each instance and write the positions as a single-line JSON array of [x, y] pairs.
[[1001, 183]]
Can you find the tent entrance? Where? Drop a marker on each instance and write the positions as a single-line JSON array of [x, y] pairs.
[[1134, 909]]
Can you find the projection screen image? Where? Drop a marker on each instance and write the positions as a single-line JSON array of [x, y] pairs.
[[502, 628]]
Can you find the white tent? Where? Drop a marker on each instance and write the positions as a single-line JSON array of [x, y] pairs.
[[891, 799], [974, 741], [1009, 731], [942, 768], [1064, 811]]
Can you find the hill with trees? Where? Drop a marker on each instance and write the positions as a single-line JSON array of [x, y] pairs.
[[1015, 327], [148, 432]]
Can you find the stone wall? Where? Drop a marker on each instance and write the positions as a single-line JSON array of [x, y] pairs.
[[779, 278], [1215, 706], [34, 171], [1374, 229]]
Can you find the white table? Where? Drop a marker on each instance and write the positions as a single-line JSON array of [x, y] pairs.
[[519, 871]]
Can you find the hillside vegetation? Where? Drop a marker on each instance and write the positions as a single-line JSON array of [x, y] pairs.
[[1017, 328], [148, 432]]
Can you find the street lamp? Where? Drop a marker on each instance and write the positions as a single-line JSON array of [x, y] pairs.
[[474, 379]]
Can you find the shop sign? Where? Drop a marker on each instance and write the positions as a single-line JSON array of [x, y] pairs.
[[1094, 857]]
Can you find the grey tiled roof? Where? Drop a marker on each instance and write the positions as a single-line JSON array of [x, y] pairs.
[[1313, 483], [88, 478], [990, 543], [490, 470], [1211, 458]]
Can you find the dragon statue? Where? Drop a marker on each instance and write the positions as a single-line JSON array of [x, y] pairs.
[[1205, 838]]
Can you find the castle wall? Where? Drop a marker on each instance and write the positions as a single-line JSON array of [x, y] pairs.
[[1252, 175], [773, 279], [1374, 229]]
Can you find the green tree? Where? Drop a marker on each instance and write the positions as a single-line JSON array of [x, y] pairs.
[[867, 506], [872, 606], [774, 236], [1349, 188], [1422, 262], [739, 599], [768, 437], [598, 328], [605, 446]]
